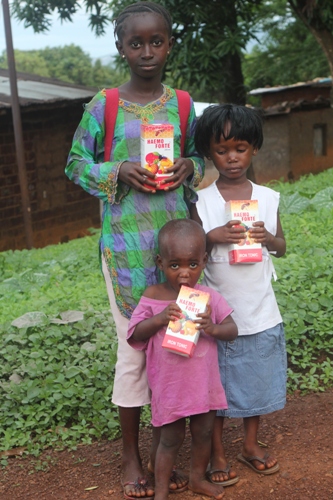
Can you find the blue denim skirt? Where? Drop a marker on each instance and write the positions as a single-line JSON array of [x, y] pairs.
[[253, 370]]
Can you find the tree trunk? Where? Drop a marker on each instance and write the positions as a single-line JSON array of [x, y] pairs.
[[306, 11], [325, 40], [235, 90]]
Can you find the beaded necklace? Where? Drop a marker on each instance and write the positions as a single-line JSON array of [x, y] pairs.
[[146, 112]]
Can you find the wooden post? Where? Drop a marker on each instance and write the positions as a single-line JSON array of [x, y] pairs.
[[16, 112]]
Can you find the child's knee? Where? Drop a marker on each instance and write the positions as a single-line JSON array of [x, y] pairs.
[[204, 433], [172, 437], [202, 429]]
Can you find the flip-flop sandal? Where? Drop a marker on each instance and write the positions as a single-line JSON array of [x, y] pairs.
[[173, 479], [139, 484], [228, 482], [247, 461]]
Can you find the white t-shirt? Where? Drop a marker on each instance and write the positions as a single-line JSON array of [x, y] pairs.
[[246, 287]]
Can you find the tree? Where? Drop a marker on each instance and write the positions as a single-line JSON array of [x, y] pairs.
[[107, 76], [69, 63], [317, 15], [28, 62], [35, 13], [210, 37], [288, 52]]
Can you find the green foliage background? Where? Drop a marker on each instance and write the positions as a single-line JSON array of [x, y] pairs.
[[56, 370], [287, 53], [305, 286], [62, 371], [69, 64], [210, 57]]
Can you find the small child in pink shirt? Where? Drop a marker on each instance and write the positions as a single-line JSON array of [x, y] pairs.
[[182, 387]]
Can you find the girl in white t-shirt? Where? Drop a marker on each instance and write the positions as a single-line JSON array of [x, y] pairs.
[[252, 367]]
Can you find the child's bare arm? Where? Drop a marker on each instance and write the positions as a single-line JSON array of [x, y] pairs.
[[232, 232], [227, 330], [194, 214], [150, 326], [275, 244]]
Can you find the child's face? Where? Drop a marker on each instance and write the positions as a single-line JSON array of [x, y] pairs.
[[145, 43], [232, 158], [182, 261]]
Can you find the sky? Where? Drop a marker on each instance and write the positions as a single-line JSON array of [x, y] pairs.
[[77, 32]]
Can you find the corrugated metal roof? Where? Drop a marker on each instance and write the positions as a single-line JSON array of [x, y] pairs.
[[317, 82], [34, 89], [300, 105]]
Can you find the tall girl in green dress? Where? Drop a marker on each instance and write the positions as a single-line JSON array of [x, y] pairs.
[[132, 212]]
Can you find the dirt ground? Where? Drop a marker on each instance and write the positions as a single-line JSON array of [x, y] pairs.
[[301, 436]]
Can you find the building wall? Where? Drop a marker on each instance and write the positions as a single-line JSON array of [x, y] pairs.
[[289, 143], [273, 159], [60, 210], [302, 139]]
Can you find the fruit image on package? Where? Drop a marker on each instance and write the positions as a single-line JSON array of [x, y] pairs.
[[182, 335], [157, 150], [247, 251]]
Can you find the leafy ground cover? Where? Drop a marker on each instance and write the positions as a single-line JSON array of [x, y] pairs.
[[57, 362], [305, 286], [56, 367]]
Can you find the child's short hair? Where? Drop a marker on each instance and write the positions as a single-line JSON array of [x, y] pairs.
[[182, 229], [245, 125]]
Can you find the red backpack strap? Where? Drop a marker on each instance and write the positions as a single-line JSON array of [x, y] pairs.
[[184, 108], [110, 116]]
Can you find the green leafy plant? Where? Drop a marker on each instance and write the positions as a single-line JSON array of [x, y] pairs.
[[305, 286], [58, 348], [56, 382], [58, 340]]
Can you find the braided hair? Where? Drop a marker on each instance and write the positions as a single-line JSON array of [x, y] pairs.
[[140, 8]]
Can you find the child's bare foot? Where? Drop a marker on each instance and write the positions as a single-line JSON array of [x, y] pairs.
[[223, 475], [134, 484], [204, 487], [219, 470], [178, 480], [137, 489]]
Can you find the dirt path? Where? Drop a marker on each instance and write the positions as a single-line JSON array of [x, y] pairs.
[[301, 436]]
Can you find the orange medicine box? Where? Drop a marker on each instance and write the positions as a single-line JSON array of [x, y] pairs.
[[246, 211], [157, 150], [181, 335]]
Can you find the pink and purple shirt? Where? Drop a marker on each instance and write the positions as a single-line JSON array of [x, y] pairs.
[[181, 386]]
